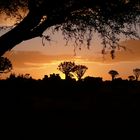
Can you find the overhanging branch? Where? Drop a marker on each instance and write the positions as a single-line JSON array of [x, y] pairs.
[[17, 34]]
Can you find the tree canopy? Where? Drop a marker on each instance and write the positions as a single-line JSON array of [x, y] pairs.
[[5, 65], [113, 74], [78, 19], [79, 71], [66, 68], [136, 72]]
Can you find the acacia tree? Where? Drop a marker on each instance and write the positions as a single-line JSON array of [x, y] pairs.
[[5, 65], [77, 19], [113, 74], [136, 73], [131, 78], [79, 71], [66, 68]]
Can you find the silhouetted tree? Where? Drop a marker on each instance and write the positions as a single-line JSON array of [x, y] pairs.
[[54, 76], [46, 77], [27, 76], [91, 79], [5, 65], [21, 77], [66, 68], [79, 71], [12, 76], [131, 78], [113, 74], [136, 73], [75, 18]]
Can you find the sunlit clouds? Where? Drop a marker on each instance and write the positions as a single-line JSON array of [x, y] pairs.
[[38, 64]]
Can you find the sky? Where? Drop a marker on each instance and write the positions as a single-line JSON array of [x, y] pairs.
[[38, 60]]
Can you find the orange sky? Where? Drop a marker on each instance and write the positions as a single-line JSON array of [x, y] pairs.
[[34, 58], [31, 57]]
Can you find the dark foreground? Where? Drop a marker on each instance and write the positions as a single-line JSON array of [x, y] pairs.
[[58, 103]]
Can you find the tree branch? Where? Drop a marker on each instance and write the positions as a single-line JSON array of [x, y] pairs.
[[17, 35]]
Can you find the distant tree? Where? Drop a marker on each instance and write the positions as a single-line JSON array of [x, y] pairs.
[[66, 68], [54, 76], [5, 65], [136, 73], [12, 76], [22, 76], [131, 78], [113, 74], [118, 79], [46, 77], [27, 76], [79, 71]]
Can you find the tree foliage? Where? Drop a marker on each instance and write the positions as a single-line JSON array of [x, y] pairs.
[[78, 19], [113, 74], [69, 68], [131, 78], [5, 65], [66, 68], [136, 73], [79, 71]]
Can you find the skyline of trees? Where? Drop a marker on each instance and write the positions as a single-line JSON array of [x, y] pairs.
[[70, 69]]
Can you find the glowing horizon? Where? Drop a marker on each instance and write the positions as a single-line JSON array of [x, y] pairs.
[[38, 64], [38, 60], [95, 69]]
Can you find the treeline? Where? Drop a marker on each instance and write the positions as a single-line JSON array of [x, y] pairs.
[[22, 93], [53, 81], [68, 102], [70, 69]]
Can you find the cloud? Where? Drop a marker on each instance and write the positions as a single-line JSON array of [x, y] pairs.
[[35, 59], [131, 53], [24, 59]]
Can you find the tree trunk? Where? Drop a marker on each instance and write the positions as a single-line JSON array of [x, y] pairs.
[[19, 33], [79, 78], [66, 76], [30, 27], [113, 77], [137, 78]]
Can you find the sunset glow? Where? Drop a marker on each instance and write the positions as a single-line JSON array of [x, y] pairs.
[[39, 63], [38, 60]]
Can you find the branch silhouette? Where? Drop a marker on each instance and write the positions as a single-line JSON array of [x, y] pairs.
[[78, 19]]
